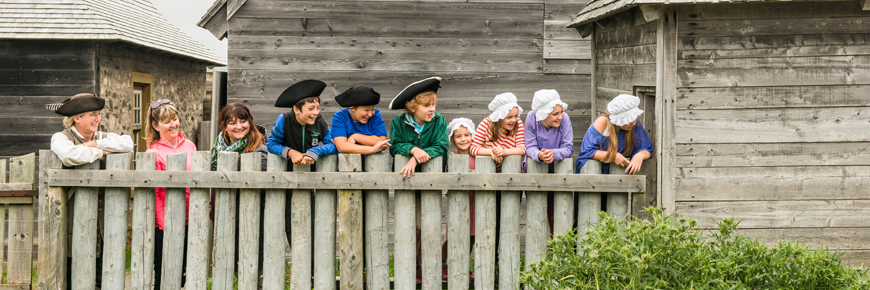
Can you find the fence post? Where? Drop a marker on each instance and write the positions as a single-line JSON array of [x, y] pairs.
[[52, 252], [249, 225], [324, 225], [405, 246], [350, 233], [537, 226], [142, 248], [377, 220], [225, 227], [198, 224], [173, 226], [115, 228], [509, 228], [458, 221], [300, 225], [563, 201], [618, 203], [20, 261], [430, 229], [84, 249], [274, 261], [484, 225], [588, 203]]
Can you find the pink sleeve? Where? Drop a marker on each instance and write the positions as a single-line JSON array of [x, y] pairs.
[[480, 135]]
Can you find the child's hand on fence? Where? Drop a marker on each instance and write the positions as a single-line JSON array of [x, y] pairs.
[[420, 155], [380, 146], [621, 160], [546, 156], [408, 169], [307, 160], [634, 166], [294, 156]]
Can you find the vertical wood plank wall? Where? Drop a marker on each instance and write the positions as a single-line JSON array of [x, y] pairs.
[[481, 48], [771, 121]]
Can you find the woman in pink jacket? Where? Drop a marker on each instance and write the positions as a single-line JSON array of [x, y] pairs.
[[164, 137]]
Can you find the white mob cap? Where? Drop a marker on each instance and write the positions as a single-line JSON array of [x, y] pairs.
[[460, 122], [502, 105], [544, 102], [623, 109]]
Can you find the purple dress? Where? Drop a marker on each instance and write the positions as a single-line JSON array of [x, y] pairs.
[[594, 141]]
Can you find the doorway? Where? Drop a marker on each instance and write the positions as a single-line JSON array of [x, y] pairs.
[[641, 201]]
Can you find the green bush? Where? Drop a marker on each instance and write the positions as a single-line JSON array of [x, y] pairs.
[[669, 253]]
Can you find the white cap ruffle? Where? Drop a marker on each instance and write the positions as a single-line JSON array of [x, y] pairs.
[[460, 122], [544, 102], [623, 109], [502, 105]]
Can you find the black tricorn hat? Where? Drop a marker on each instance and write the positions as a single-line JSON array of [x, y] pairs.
[[358, 96], [414, 89], [299, 91], [80, 103]]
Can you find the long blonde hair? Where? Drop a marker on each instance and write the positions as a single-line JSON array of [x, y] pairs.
[[163, 112], [613, 145], [495, 130]]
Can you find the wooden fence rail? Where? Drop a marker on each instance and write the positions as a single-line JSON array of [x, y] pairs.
[[356, 197]]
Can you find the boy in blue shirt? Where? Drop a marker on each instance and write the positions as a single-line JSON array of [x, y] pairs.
[[359, 127]]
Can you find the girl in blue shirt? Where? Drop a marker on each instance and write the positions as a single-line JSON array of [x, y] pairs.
[[617, 137]]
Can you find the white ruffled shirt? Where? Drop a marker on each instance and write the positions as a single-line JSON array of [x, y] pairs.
[[73, 155]]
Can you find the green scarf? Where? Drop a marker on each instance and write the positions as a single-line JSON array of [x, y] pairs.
[[221, 145]]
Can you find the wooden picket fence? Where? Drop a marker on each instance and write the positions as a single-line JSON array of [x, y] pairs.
[[340, 185], [17, 194]]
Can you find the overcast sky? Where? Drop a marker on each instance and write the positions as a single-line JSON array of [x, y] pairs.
[[185, 14]]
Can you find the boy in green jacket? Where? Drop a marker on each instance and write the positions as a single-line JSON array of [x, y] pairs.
[[419, 132]]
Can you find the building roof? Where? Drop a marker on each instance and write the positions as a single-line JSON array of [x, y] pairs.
[[215, 19], [134, 21], [600, 9]]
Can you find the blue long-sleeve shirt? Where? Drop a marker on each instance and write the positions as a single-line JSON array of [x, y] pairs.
[[594, 141], [275, 143]]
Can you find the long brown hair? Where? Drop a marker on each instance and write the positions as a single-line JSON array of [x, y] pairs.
[[495, 130], [613, 145], [163, 112], [240, 112]]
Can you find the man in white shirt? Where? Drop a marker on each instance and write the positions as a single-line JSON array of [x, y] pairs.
[[82, 142]]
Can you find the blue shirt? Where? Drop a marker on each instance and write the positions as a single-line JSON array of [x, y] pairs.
[[594, 141], [344, 126]]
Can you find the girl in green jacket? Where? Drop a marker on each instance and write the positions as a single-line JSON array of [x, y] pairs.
[[419, 132]]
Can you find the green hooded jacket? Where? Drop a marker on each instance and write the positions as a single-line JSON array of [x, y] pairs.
[[433, 139]]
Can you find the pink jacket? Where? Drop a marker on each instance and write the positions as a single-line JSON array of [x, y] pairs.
[[164, 148]]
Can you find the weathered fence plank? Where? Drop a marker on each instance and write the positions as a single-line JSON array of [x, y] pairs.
[[509, 228], [84, 263], [300, 225], [324, 225], [618, 203], [20, 260], [354, 180], [198, 227], [173, 227], [249, 225], [274, 261], [588, 203], [430, 229], [563, 201], [225, 227], [537, 226], [405, 246], [350, 227], [115, 226], [52, 251], [142, 248], [484, 226], [376, 222], [458, 223]]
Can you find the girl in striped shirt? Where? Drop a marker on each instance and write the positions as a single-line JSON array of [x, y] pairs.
[[501, 133]]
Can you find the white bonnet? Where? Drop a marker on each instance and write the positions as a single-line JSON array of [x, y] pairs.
[[456, 123], [623, 109], [544, 102], [502, 105]]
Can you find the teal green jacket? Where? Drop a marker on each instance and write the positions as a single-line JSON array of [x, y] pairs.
[[433, 139]]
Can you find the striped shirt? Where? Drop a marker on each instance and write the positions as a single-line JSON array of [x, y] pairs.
[[482, 135]]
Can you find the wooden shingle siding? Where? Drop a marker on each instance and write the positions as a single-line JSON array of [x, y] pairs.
[[34, 73], [772, 105], [480, 48], [625, 57]]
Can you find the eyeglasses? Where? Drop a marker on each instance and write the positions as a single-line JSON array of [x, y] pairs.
[[159, 103]]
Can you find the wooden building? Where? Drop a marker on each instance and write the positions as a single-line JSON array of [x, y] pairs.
[[481, 48], [759, 109], [125, 51]]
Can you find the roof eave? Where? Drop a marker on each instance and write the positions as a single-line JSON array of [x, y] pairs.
[[215, 19]]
